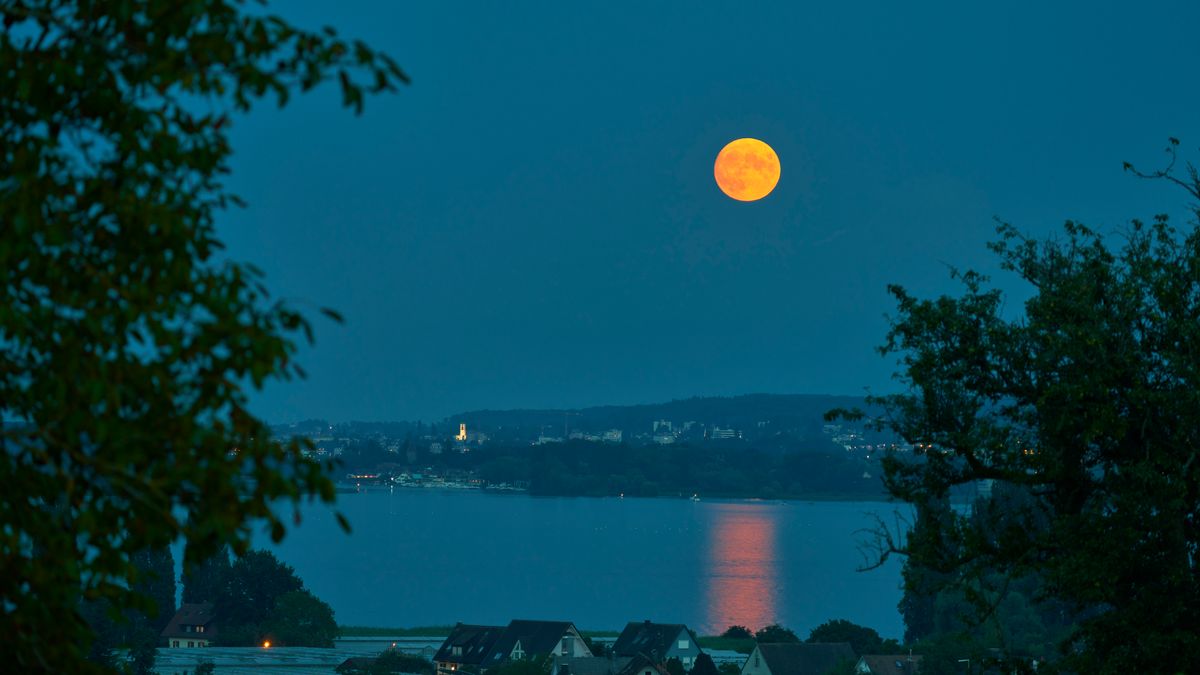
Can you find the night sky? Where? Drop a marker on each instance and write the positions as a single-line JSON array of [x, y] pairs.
[[534, 221]]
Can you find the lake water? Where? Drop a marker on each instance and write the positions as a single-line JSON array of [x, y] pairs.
[[424, 557]]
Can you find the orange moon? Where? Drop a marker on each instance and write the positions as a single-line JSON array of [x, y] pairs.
[[747, 169]]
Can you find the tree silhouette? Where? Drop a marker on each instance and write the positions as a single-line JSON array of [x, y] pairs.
[[1085, 409], [127, 347]]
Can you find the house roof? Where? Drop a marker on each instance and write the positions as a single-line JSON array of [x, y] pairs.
[[651, 639], [192, 614], [536, 637], [476, 643], [640, 664], [355, 663], [805, 658], [889, 664], [590, 665]]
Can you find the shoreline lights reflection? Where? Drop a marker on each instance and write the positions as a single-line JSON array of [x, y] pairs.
[[743, 568]]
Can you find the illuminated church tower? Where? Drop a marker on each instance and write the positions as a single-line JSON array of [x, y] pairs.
[[462, 433]]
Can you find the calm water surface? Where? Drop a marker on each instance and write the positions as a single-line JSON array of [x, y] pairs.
[[424, 557]]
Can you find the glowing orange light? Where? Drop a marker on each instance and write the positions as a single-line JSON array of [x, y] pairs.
[[744, 580], [747, 169], [266, 644]]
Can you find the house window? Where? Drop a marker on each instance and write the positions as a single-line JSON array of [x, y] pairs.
[[756, 660], [191, 643], [683, 644], [175, 643], [456, 651], [517, 652], [199, 629]]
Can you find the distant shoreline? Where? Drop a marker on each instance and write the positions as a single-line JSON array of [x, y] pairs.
[[822, 497], [368, 633]]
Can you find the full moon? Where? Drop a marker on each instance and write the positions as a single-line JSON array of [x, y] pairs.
[[747, 169]]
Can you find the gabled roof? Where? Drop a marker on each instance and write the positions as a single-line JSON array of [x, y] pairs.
[[889, 664], [475, 642], [192, 614], [640, 664], [356, 663], [805, 658], [590, 665], [536, 637], [652, 639]]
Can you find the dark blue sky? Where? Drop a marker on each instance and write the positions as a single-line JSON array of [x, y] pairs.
[[534, 221]]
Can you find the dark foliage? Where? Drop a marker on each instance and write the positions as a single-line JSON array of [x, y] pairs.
[[204, 582], [128, 343], [737, 632], [775, 633], [596, 647], [1084, 413], [704, 665], [862, 640], [129, 638], [260, 598], [595, 469], [394, 661], [255, 582], [155, 581], [300, 619]]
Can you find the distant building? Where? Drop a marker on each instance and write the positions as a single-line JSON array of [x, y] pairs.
[[641, 665], [356, 664], [664, 439], [543, 439], [588, 665], [477, 648], [435, 448], [658, 641], [462, 433], [192, 626], [888, 664], [606, 665], [807, 658], [524, 639], [466, 648], [719, 433], [613, 436], [662, 424]]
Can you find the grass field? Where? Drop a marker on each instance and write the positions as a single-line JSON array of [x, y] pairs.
[[742, 645]]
